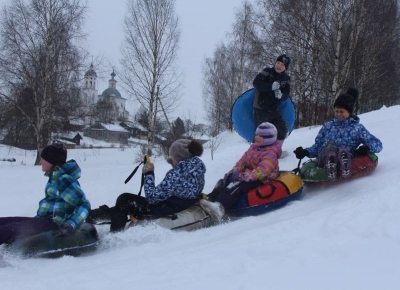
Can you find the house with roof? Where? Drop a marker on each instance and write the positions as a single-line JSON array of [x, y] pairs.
[[112, 133], [135, 130]]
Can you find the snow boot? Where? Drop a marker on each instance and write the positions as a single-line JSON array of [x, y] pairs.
[[118, 222], [214, 209], [219, 186], [101, 214], [344, 162], [331, 165]]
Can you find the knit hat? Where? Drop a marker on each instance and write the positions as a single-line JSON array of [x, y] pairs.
[[284, 59], [347, 100], [268, 132], [55, 154], [183, 149]]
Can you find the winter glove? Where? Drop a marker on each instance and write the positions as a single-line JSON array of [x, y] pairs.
[[362, 150], [234, 176], [148, 168], [275, 86], [226, 178], [278, 94], [300, 152], [67, 229]]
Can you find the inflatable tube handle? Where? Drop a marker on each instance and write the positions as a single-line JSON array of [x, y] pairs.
[[273, 189], [297, 169]]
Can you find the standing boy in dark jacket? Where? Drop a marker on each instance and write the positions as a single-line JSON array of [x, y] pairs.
[[272, 86]]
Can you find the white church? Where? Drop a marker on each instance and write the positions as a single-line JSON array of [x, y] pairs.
[[107, 128], [91, 97]]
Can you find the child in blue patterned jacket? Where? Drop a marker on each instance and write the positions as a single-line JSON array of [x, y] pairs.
[[181, 188], [64, 207], [338, 139]]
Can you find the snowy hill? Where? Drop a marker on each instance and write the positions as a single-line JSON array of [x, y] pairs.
[[342, 237]]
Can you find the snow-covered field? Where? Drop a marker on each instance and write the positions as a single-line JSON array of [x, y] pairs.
[[342, 237]]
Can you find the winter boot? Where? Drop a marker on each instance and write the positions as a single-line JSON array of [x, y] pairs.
[[331, 165], [213, 195], [344, 162], [118, 222], [214, 209], [101, 214]]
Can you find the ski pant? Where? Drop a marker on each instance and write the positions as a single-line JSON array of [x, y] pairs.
[[138, 207], [230, 195], [273, 117], [12, 228], [329, 148]]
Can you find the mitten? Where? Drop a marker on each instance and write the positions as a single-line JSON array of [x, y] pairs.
[[148, 168], [234, 176], [278, 94], [300, 152], [67, 229], [275, 86], [227, 178], [362, 150]]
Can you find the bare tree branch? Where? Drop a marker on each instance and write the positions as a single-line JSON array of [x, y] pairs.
[[148, 56]]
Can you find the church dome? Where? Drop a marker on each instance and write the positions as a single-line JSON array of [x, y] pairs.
[[111, 92], [91, 72]]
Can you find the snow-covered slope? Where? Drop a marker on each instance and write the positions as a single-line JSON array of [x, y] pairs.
[[342, 237]]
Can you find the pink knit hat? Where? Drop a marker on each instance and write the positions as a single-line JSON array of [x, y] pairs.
[[268, 132]]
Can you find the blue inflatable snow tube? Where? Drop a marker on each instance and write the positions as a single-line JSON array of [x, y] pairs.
[[243, 116]]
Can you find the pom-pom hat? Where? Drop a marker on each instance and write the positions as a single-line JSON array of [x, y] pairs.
[[55, 154], [347, 100], [268, 132], [183, 149]]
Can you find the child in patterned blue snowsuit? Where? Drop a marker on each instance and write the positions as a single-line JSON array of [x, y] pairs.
[[338, 139], [64, 207], [181, 188]]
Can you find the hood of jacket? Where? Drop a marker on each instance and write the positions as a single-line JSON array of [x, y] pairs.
[[70, 168]]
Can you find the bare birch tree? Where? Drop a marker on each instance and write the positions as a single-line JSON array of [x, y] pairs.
[[229, 72], [213, 145], [298, 28], [375, 65], [241, 41], [216, 83], [334, 44], [40, 61], [148, 58]]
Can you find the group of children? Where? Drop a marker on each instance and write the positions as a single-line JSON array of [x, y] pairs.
[[65, 206]]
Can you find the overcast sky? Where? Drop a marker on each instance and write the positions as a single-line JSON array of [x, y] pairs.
[[204, 24]]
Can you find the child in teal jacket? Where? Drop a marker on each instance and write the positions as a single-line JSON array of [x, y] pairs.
[[65, 206]]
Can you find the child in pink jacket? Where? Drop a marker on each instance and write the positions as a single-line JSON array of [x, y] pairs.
[[258, 165]]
